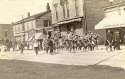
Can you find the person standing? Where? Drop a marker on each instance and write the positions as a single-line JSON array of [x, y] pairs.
[[36, 46], [116, 39], [109, 38], [71, 38], [22, 47], [51, 44]]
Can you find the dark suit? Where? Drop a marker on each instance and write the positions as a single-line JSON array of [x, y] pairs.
[[116, 39], [109, 38]]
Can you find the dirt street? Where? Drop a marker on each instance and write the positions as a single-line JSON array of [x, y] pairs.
[[16, 69]]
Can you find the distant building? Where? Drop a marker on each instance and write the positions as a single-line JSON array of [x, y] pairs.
[[6, 33], [82, 15], [114, 18], [33, 27]]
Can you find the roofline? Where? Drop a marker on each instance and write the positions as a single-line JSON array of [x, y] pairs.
[[31, 17], [5, 24], [113, 6]]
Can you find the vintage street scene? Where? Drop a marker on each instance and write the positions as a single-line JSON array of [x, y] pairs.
[[62, 39]]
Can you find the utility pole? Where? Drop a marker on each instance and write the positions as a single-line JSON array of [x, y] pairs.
[[23, 28], [84, 16]]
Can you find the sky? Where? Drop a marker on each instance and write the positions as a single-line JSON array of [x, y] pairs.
[[12, 10]]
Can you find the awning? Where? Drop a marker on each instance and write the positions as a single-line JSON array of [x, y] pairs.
[[112, 22], [39, 36], [72, 20]]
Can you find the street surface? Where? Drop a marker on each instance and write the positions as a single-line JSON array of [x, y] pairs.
[[97, 57], [16, 69]]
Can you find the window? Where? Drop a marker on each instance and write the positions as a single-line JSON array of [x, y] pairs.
[[27, 26], [7, 40], [67, 6], [64, 13], [6, 33], [0, 41], [15, 29], [47, 23], [22, 25], [76, 8], [56, 12], [50, 23], [19, 28]]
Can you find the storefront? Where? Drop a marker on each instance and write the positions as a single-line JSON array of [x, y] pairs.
[[116, 23], [65, 26]]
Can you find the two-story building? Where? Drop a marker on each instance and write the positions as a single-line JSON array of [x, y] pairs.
[[33, 27], [114, 18], [82, 15]]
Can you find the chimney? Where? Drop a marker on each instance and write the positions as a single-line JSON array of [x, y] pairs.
[[111, 2], [28, 14], [48, 7]]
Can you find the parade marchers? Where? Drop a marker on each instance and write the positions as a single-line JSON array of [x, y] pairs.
[[72, 42]]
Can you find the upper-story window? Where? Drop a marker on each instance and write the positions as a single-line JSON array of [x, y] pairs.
[[22, 25], [76, 8], [67, 7], [64, 13], [6, 33], [56, 11], [18, 28], [15, 29], [47, 23]]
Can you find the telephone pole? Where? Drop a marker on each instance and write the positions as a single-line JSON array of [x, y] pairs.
[[84, 16], [23, 28]]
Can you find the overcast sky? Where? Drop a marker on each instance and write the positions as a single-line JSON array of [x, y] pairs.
[[12, 10]]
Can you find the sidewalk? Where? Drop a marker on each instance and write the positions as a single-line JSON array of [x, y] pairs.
[[97, 57]]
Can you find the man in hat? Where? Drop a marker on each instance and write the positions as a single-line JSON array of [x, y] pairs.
[[116, 39], [71, 38], [36, 45], [109, 38], [22, 47]]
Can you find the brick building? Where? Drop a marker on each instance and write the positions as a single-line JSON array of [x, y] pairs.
[[6, 33], [83, 15]]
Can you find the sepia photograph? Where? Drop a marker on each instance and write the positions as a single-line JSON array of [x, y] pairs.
[[62, 39]]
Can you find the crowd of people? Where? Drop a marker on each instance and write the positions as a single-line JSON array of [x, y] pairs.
[[113, 40]]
